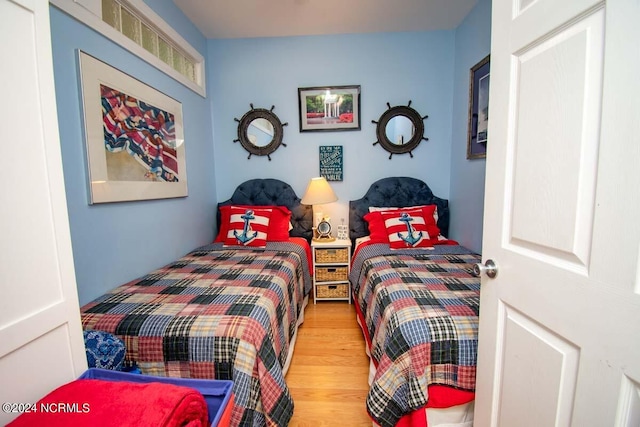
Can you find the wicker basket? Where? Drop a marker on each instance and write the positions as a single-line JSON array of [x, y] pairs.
[[332, 291], [329, 255], [331, 274]]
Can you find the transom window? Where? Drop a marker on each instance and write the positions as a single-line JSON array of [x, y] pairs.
[[123, 19], [136, 27]]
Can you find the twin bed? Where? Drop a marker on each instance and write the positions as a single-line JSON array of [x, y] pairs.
[[417, 303], [222, 311], [229, 310]]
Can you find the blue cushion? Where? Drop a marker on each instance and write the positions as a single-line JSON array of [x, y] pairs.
[[104, 350]]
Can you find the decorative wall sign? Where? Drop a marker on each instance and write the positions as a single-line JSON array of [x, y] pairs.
[[343, 231], [331, 162], [133, 134]]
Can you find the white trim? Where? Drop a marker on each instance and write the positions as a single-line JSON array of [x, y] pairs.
[[75, 9]]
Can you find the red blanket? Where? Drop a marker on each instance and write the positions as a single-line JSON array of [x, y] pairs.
[[110, 403]]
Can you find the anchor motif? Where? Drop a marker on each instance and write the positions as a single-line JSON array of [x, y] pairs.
[[245, 237], [411, 239]]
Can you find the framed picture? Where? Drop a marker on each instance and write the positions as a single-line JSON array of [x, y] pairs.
[[133, 135], [329, 108], [477, 137], [331, 165]]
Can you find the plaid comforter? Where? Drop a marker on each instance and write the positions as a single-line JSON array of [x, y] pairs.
[[218, 312], [421, 312]]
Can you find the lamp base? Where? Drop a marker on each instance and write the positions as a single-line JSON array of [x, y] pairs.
[[325, 239]]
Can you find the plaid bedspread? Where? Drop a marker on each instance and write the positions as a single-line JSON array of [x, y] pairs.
[[218, 312], [421, 312]]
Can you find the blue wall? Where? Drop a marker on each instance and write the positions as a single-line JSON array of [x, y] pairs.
[[117, 242], [473, 43], [390, 67]]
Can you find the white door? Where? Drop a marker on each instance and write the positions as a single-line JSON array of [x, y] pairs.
[[41, 344], [560, 324]]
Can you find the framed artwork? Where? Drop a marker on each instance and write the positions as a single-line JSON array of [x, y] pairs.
[[478, 137], [133, 135], [331, 162], [329, 108]]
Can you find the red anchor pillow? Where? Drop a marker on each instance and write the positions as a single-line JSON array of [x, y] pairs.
[[248, 227], [279, 222], [410, 228], [376, 224]]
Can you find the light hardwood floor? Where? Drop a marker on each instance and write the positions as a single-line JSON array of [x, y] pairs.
[[328, 372]]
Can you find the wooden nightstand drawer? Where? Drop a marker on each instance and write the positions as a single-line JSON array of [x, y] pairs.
[[332, 274], [332, 255], [332, 291]]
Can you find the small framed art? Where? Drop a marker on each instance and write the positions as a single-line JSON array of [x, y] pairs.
[[331, 162], [478, 136], [329, 108]]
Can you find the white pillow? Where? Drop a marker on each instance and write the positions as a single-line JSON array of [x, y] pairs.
[[380, 209]]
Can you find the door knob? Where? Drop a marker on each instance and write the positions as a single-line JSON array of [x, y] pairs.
[[489, 268]]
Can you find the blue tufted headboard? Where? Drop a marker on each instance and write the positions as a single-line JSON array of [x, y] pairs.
[[273, 192], [395, 192]]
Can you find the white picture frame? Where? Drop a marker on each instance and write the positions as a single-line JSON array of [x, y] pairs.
[[134, 137]]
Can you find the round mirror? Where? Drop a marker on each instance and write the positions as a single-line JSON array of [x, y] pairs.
[[260, 132], [400, 129]]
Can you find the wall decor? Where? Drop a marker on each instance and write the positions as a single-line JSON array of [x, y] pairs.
[[329, 108], [260, 132], [477, 137], [342, 231], [331, 162], [400, 129], [133, 135]]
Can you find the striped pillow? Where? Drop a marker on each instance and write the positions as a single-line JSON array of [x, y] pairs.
[[410, 228], [248, 227]]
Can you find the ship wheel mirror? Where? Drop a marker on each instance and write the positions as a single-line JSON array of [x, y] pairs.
[[260, 132], [400, 129]]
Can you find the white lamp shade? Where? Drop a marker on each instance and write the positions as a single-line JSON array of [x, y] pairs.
[[318, 192]]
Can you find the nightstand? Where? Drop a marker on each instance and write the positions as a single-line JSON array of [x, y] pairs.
[[331, 266]]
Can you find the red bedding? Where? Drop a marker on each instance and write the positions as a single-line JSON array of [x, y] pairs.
[[109, 403], [303, 243]]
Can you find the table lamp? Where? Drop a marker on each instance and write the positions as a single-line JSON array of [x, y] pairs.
[[319, 192]]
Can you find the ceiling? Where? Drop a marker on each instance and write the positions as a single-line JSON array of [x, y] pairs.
[[218, 19]]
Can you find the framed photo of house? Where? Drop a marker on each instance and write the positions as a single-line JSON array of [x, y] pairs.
[[329, 108], [133, 135], [478, 137]]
